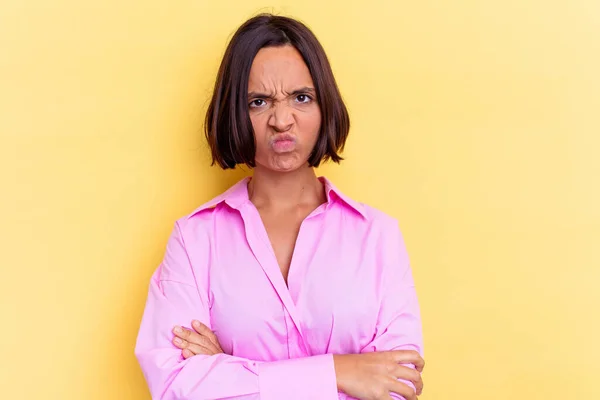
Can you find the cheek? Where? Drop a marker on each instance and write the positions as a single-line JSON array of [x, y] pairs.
[[312, 124], [259, 126]]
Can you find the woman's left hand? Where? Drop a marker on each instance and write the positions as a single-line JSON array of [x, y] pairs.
[[201, 340]]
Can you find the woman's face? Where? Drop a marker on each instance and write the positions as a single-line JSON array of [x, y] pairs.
[[283, 109]]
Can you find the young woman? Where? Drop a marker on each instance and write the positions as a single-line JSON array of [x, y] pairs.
[[282, 287]]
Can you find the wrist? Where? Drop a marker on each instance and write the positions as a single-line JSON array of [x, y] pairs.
[[338, 360]]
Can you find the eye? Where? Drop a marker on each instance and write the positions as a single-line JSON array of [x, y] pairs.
[[303, 98], [257, 103]]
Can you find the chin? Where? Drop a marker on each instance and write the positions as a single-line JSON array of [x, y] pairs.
[[285, 167], [284, 164]]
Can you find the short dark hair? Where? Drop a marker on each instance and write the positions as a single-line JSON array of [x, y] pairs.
[[228, 127]]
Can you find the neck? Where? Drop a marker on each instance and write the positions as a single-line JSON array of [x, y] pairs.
[[285, 190]]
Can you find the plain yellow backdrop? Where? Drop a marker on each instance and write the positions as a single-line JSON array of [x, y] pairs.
[[475, 123]]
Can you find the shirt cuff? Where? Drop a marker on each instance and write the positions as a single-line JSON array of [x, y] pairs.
[[298, 379]]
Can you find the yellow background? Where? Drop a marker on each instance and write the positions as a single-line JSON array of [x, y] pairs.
[[476, 123]]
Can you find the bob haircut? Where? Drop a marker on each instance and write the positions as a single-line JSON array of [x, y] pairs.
[[228, 127]]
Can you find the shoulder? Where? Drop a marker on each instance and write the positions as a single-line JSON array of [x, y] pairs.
[[198, 224], [364, 213], [225, 204], [376, 215], [371, 224], [380, 220]]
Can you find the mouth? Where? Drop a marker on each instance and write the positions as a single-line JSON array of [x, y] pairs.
[[283, 143]]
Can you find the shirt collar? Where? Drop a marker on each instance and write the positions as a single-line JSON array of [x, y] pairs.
[[331, 189], [237, 195]]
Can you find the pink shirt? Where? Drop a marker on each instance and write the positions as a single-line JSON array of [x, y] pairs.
[[350, 290]]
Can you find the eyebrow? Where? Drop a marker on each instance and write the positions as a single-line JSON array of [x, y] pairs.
[[305, 89]]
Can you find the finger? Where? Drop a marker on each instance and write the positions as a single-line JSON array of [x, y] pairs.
[[195, 338], [408, 357], [403, 390], [190, 336], [205, 331], [409, 374], [196, 350], [191, 349]]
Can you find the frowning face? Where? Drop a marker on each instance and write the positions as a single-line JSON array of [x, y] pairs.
[[283, 108]]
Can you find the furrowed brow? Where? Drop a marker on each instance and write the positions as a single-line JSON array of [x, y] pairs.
[[258, 95], [305, 89]]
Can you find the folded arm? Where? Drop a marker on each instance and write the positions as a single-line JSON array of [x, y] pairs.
[[174, 298], [399, 321]]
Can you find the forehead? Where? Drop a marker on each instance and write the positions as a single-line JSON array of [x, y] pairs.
[[278, 66]]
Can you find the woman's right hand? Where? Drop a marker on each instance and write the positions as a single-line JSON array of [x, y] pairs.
[[373, 376]]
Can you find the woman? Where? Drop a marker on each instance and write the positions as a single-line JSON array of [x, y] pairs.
[[282, 287]]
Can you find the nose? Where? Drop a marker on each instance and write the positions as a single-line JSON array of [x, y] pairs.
[[281, 118]]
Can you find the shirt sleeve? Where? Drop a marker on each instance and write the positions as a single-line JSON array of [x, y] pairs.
[[175, 299], [399, 321]]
